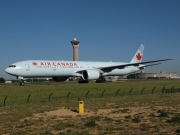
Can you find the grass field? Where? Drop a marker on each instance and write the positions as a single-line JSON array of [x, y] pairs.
[[126, 107]]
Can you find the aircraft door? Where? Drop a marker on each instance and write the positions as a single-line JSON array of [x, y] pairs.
[[88, 66], [27, 67]]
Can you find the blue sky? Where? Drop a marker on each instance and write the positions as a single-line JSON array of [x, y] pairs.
[[109, 30]]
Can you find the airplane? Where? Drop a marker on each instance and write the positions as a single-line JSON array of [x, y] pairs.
[[62, 70]]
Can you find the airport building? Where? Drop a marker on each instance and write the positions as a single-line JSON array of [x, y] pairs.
[[161, 75]]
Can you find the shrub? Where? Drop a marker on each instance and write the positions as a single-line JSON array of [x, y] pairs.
[[128, 116], [136, 119], [91, 123], [144, 127], [175, 118], [177, 132], [163, 113], [152, 114]]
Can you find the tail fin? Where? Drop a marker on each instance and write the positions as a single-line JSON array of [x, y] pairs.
[[138, 55]]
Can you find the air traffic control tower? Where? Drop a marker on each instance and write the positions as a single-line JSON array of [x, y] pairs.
[[75, 43]]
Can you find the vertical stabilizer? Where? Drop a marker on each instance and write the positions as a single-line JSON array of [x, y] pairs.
[[138, 55]]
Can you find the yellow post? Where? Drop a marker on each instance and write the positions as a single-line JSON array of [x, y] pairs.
[[81, 107]]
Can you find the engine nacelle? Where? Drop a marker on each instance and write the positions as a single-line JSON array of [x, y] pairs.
[[60, 79], [90, 74]]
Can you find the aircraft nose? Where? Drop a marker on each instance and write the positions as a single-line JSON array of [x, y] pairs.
[[7, 70]]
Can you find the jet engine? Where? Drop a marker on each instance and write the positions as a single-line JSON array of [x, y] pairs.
[[90, 74], [60, 79]]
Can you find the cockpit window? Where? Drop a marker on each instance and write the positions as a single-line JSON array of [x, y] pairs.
[[12, 66]]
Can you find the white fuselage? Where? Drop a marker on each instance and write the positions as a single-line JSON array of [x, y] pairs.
[[47, 68]]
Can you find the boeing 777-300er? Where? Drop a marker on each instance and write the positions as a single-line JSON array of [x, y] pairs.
[[61, 70]]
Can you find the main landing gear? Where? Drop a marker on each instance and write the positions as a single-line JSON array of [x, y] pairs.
[[82, 81]]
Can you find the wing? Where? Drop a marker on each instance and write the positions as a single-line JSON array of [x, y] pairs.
[[110, 68], [143, 66]]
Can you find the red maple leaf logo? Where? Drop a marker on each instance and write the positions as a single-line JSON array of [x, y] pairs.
[[34, 63], [139, 56]]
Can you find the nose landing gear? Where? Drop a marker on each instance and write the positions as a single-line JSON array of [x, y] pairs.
[[22, 83], [21, 80]]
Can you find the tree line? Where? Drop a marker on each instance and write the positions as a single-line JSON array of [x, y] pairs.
[[2, 80]]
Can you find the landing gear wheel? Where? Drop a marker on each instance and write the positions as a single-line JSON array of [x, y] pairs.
[[83, 81]]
